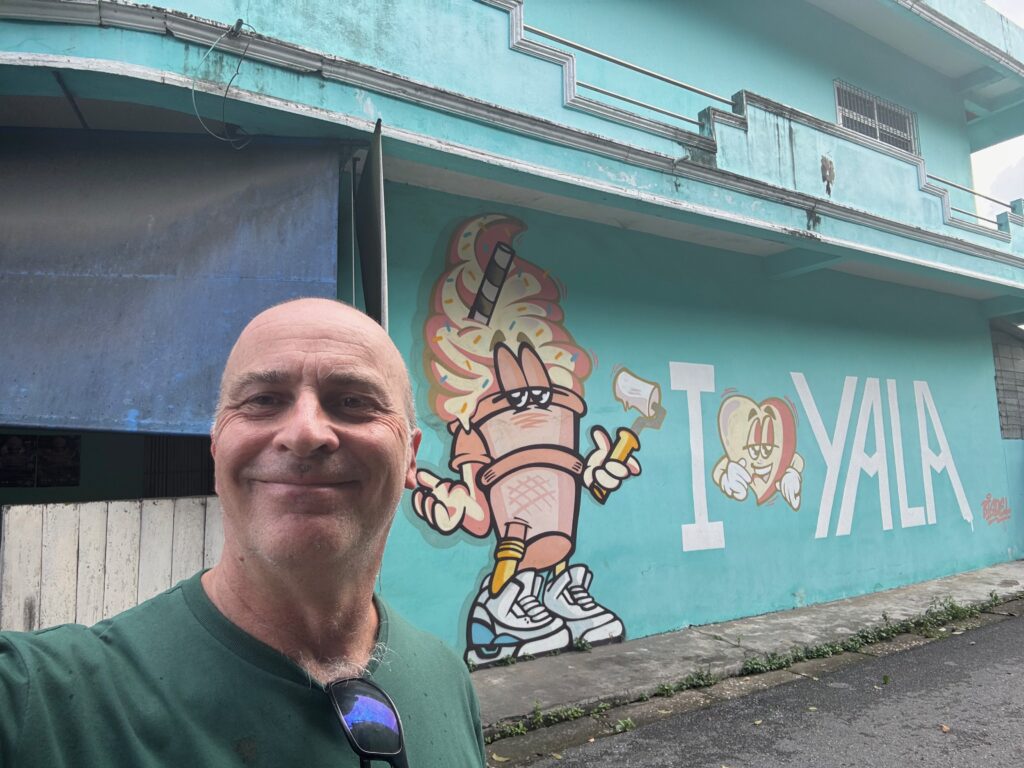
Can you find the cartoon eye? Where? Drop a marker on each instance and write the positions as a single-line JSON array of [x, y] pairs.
[[519, 398], [754, 451], [766, 450], [540, 396]]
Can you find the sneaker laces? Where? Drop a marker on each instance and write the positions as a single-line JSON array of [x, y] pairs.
[[581, 597], [534, 610]]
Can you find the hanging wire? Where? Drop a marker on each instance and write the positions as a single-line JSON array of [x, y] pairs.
[[241, 139]]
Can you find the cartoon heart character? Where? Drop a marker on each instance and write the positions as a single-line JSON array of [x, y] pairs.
[[759, 440]]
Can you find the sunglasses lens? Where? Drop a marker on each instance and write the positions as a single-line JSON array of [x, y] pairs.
[[369, 717]]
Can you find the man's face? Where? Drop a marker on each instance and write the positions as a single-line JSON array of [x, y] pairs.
[[312, 446]]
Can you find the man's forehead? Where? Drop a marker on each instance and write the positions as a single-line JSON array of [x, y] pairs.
[[307, 326], [328, 339], [325, 375]]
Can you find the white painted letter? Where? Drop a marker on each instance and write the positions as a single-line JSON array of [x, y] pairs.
[[860, 461], [936, 462], [694, 379], [831, 449], [909, 516]]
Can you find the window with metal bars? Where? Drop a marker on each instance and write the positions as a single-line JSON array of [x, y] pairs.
[[1008, 350], [871, 116], [177, 465]]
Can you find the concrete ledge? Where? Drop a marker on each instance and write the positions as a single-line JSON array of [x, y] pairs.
[[632, 671]]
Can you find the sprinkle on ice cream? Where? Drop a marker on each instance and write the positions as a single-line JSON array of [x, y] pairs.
[[458, 357]]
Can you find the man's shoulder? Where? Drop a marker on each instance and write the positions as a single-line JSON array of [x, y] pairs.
[[432, 690], [80, 642]]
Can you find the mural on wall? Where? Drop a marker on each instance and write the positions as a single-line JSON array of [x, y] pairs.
[[759, 441], [508, 378]]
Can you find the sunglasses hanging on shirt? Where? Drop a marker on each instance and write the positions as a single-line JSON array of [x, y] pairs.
[[370, 721]]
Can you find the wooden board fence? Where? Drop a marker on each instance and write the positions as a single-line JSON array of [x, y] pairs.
[[81, 563]]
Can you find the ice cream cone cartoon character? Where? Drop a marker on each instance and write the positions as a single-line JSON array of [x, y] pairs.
[[759, 440], [509, 378]]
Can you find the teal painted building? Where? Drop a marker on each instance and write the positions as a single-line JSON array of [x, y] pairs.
[[702, 320]]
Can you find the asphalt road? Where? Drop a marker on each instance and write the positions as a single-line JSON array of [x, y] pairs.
[[889, 711]]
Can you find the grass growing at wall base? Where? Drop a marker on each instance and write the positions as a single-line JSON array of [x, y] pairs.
[[928, 624]]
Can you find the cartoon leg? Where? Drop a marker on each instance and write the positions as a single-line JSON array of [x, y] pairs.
[[507, 617], [509, 552], [568, 597]]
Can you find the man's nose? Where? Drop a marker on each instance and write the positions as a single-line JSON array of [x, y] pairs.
[[307, 428]]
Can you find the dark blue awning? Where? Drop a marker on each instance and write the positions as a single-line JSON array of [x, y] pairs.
[[129, 263]]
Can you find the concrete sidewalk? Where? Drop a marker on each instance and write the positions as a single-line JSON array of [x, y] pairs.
[[630, 671]]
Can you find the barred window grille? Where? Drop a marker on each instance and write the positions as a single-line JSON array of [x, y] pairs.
[[1008, 350], [177, 465], [871, 116]]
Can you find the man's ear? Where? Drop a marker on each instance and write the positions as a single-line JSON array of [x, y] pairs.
[[213, 454], [414, 446]]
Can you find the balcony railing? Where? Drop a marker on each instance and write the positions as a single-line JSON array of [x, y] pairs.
[[976, 194]]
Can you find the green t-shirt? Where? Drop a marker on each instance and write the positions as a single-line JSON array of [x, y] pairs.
[[172, 682]]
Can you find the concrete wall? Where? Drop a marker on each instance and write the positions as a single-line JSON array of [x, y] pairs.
[[723, 344], [417, 67], [1007, 513], [788, 50]]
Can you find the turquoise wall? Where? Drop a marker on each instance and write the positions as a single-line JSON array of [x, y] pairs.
[[1014, 454], [414, 41], [647, 303], [787, 50]]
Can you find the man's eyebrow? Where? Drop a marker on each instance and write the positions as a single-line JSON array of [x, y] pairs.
[[368, 383], [353, 379], [246, 380]]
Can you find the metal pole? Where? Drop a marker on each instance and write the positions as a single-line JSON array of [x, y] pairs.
[[627, 65]]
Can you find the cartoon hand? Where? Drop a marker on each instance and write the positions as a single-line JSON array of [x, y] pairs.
[[444, 504], [602, 469], [789, 487], [735, 480]]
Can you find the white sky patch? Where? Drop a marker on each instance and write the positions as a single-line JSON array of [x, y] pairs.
[[999, 170]]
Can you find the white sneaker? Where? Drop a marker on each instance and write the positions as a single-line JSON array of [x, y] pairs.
[[513, 622], [568, 597]]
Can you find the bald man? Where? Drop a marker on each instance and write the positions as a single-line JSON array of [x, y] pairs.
[[280, 654]]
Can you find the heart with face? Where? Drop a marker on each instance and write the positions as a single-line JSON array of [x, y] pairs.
[[762, 435]]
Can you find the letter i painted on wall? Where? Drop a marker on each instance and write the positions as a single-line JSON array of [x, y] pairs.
[[694, 379]]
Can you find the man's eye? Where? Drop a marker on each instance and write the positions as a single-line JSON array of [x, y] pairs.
[[354, 403], [263, 401]]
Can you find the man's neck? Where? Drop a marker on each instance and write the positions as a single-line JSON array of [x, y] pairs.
[[329, 632]]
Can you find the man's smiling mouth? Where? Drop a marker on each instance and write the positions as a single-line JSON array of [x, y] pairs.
[[303, 482]]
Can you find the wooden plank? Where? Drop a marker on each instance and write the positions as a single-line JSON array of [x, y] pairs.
[[189, 534], [214, 544], [155, 543], [21, 561], [121, 576], [59, 591], [92, 557]]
